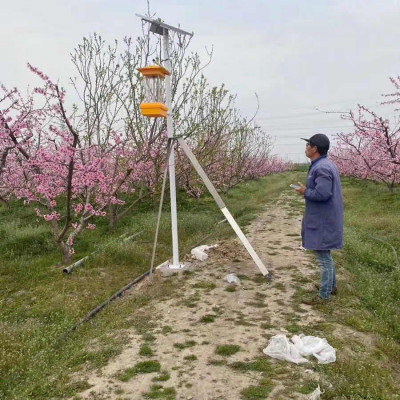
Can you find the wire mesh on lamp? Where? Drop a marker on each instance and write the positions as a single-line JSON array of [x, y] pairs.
[[154, 97]]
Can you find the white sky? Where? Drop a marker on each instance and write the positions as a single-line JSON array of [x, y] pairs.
[[295, 54]]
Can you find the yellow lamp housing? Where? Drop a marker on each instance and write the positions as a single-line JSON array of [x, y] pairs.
[[154, 97], [154, 110]]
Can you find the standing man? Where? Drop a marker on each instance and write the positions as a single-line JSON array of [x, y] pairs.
[[322, 227]]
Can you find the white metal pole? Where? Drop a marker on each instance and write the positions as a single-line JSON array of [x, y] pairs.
[[171, 165], [223, 208]]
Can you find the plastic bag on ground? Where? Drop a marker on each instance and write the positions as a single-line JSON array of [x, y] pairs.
[[308, 345], [232, 278], [315, 395], [199, 253], [318, 347], [327, 355], [279, 347]]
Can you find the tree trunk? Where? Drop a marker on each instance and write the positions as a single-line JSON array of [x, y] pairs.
[[65, 253], [112, 218]]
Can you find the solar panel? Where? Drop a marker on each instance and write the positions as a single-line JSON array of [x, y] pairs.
[[158, 27]]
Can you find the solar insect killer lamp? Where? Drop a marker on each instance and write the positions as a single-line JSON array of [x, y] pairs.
[[154, 97], [154, 107]]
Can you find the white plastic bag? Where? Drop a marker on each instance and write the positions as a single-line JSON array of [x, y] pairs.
[[315, 395], [200, 252], [308, 345], [327, 355], [232, 278], [318, 347], [279, 347]]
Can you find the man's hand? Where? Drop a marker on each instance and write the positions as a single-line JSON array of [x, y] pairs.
[[301, 190]]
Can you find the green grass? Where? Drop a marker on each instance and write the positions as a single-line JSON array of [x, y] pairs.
[[208, 318], [264, 369], [191, 301], [370, 301], [164, 376], [307, 387], [145, 350], [166, 329], [260, 391], [265, 325], [360, 378], [148, 337], [144, 367], [185, 345], [260, 364], [190, 357], [217, 362], [160, 392], [205, 285], [371, 262], [294, 328], [243, 322], [227, 349]]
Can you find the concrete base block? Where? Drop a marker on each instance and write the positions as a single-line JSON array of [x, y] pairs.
[[166, 271]]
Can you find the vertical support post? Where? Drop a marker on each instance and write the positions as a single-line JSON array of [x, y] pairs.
[[171, 164]]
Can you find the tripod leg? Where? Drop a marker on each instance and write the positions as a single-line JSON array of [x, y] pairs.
[[223, 208]]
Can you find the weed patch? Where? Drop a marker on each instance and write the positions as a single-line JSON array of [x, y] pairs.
[[160, 392], [145, 351], [260, 391], [259, 364], [164, 376], [208, 318], [144, 367], [204, 285], [185, 345], [227, 349], [217, 362], [190, 357]]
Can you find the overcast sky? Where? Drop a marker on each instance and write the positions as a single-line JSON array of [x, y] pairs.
[[297, 55]]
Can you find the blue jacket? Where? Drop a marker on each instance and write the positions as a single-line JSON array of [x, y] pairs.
[[322, 227]]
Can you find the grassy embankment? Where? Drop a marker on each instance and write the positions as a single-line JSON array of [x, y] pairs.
[[369, 298], [39, 303]]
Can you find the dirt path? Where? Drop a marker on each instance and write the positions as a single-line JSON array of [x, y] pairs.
[[208, 312]]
